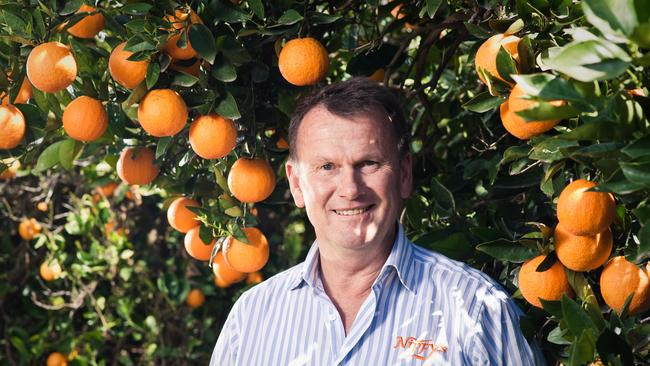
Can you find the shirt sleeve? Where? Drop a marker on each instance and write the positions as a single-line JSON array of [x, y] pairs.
[[497, 339], [227, 348]]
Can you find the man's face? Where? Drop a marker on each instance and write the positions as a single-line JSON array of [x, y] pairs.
[[348, 175]]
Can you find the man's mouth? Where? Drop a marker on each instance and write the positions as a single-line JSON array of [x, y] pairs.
[[354, 211]]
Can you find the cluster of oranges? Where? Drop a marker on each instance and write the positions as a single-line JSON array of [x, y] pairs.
[[486, 68], [235, 261], [583, 242]]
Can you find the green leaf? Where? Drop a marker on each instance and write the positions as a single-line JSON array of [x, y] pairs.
[[637, 172], [602, 131], [136, 8], [506, 66], [620, 187], [224, 71], [556, 336], [432, 7], [69, 150], [227, 12], [550, 149], [163, 144], [443, 196], [576, 319], [644, 242], [638, 148], [290, 17], [184, 79], [483, 102], [506, 250], [205, 234], [614, 18], [611, 346], [322, 18], [589, 60], [453, 245], [583, 349], [203, 42], [49, 157], [153, 71], [257, 7], [544, 111], [71, 7], [548, 86], [515, 152], [227, 107]]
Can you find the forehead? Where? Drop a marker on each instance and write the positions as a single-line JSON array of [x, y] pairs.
[[321, 131]]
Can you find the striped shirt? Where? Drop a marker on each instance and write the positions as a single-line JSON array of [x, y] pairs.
[[424, 309]]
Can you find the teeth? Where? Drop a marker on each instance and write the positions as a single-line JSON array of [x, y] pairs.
[[351, 212]]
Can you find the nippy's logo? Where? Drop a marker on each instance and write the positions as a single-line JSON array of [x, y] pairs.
[[420, 349]]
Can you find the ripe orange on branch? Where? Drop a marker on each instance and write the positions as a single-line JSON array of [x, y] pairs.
[[196, 247], [25, 93], [12, 168], [516, 124], [127, 73], [585, 213], [179, 53], [136, 166], [179, 217], [547, 285], [179, 19], [29, 228], [303, 61], [582, 253], [85, 119], [90, 25], [51, 67], [162, 112], [212, 136], [620, 279], [56, 359], [247, 257], [195, 299], [50, 270], [251, 180], [486, 55], [12, 126], [225, 275]]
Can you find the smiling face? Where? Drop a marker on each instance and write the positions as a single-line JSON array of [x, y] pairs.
[[348, 175]]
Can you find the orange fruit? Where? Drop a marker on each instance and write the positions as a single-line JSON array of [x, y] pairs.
[[12, 168], [282, 143], [582, 253], [251, 180], [254, 278], [192, 69], [619, 279], [175, 52], [42, 206], [90, 25], [107, 189], [195, 298], [225, 273], [516, 124], [136, 166], [197, 248], [127, 73], [378, 75], [50, 270], [56, 359], [548, 285], [247, 257], [303, 61], [398, 14], [486, 55], [25, 93], [212, 136], [29, 228], [179, 217], [585, 213], [179, 19], [51, 67], [12, 126], [219, 282], [85, 119], [162, 112]]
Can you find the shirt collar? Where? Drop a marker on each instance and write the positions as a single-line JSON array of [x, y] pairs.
[[400, 259]]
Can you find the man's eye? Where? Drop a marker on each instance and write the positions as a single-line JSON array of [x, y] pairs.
[[369, 163], [328, 166]]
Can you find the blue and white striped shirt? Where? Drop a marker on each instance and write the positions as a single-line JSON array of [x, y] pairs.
[[424, 309]]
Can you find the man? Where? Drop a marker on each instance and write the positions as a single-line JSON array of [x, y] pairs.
[[365, 294]]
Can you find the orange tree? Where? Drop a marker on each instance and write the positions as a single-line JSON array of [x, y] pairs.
[[142, 143]]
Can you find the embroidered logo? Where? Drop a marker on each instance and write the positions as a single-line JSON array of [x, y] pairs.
[[420, 349]]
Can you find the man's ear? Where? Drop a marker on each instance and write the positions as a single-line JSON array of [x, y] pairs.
[[291, 168]]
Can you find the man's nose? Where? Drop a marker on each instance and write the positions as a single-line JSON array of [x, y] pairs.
[[350, 184]]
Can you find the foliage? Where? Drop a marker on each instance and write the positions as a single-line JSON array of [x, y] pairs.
[[482, 196]]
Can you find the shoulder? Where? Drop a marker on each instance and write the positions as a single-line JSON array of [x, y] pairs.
[[266, 291], [451, 276]]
